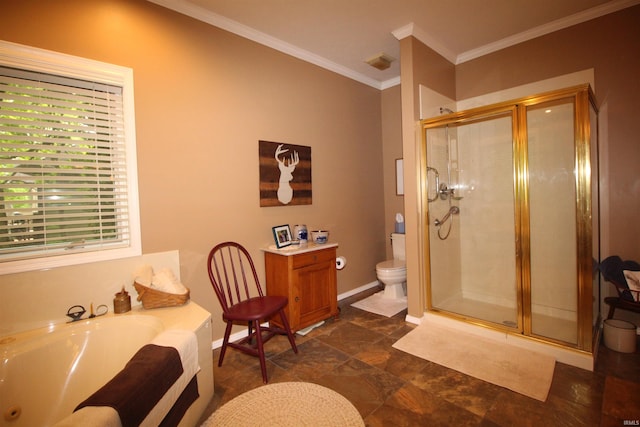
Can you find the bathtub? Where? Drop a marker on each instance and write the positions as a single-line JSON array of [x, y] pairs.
[[46, 373]]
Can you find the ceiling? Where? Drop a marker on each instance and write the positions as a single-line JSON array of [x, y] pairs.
[[341, 35]]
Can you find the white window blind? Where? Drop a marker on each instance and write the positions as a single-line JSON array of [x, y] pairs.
[[63, 166]]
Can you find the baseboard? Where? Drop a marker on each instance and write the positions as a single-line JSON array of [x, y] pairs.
[[358, 290], [413, 319], [239, 335]]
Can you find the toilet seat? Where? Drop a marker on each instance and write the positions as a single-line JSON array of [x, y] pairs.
[[391, 266]]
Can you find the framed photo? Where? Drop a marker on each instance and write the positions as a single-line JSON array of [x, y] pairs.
[[399, 177], [282, 236]]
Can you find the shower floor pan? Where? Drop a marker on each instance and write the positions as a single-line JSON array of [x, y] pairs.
[[556, 328]]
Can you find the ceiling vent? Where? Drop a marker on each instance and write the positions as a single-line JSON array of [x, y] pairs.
[[381, 61]]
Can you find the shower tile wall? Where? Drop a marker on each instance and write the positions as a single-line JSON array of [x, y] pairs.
[[445, 254], [487, 212]]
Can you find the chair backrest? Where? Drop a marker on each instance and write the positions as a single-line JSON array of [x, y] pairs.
[[232, 274], [612, 269]]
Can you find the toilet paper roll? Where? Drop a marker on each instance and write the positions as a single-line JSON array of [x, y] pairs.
[[341, 262]]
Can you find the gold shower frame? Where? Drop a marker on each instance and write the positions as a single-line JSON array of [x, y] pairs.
[[587, 289]]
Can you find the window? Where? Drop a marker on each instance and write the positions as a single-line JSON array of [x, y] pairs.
[[68, 185]]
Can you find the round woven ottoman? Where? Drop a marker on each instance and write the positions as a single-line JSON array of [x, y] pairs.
[[287, 404]]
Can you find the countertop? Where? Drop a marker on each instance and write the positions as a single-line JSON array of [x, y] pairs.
[[298, 249]]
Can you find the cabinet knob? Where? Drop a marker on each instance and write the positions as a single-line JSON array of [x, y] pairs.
[[297, 299]]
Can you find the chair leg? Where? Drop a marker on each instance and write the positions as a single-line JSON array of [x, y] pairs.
[[225, 341], [285, 323], [260, 348]]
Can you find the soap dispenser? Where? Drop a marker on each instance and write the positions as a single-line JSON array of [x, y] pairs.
[[399, 225]]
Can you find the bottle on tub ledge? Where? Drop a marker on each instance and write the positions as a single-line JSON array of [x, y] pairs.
[[122, 302]]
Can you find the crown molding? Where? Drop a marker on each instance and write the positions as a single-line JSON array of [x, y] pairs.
[[415, 31], [201, 14], [558, 24], [186, 8], [394, 81]]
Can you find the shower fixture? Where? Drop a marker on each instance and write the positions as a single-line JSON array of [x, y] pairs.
[[454, 210], [437, 175], [445, 191]]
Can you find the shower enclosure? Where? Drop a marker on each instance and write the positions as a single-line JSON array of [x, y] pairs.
[[511, 216]]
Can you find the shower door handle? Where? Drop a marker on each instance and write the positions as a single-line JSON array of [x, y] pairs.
[[437, 175]]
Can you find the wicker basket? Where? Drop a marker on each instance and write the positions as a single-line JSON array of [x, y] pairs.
[[153, 298]]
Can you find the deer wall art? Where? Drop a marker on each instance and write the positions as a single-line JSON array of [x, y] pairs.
[[285, 174]]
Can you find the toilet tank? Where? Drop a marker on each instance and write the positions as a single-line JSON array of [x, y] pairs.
[[398, 246]]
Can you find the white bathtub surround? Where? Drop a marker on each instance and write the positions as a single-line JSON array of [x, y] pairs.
[[186, 344], [37, 299], [82, 356]]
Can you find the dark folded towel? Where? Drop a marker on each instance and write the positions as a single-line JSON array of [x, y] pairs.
[[188, 396], [135, 390]]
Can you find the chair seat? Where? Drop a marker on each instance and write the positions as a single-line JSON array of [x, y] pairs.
[[257, 308], [623, 304]]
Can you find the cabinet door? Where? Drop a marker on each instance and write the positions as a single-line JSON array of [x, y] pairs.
[[315, 292], [278, 280]]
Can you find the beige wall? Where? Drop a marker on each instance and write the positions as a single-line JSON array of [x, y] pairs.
[[391, 150], [420, 65], [610, 46], [204, 97]]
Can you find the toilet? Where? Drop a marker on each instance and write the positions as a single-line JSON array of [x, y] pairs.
[[393, 273]]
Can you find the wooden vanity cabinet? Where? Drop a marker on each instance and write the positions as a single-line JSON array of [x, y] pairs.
[[308, 279]]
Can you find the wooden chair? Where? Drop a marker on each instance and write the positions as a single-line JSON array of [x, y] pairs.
[[612, 270], [235, 282]]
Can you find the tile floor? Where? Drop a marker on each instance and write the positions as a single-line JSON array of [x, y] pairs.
[[353, 355]]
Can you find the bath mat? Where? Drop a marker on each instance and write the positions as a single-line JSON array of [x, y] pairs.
[[523, 371], [378, 304], [287, 404]]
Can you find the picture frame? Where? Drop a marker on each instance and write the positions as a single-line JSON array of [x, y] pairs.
[[285, 174], [282, 236], [399, 177]]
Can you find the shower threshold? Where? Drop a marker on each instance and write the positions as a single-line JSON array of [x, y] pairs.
[[544, 324]]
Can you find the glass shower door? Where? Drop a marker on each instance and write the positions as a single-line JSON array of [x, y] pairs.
[[552, 220], [512, 216], [472, 220]]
